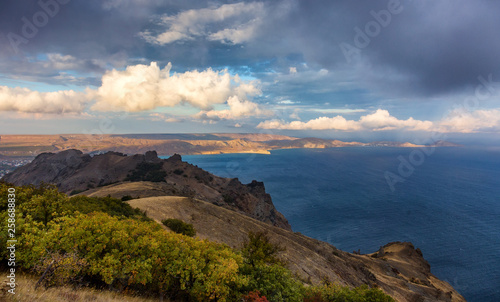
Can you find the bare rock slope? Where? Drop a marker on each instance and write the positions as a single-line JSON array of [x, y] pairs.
[[225, 210], [398, 268], [74, 172]]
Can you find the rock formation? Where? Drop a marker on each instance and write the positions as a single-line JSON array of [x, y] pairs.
[[74, 172]]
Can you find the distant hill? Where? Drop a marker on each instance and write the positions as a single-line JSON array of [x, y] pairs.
[[169, 144], [74, 172]]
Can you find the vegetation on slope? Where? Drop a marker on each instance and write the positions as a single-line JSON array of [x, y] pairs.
[[25, 292], [147, 172], [180, 227], [103, 242]]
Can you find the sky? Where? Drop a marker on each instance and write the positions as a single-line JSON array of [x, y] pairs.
[[352, 70]]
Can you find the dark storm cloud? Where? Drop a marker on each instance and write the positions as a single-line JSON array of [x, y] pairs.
[[440, 46], [429, 48]]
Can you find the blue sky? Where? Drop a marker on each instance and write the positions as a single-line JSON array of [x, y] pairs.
[[364, 70]]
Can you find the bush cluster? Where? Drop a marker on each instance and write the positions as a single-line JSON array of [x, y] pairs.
[[147, 172], [104, 242], [335, 293], [180, 227]]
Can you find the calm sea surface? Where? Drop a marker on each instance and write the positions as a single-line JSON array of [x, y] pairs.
[[449, 206]]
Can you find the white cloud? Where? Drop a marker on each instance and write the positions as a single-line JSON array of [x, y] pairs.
[[382, 120], [323, 72], [143, 87], [159, 117], [321, 123], [471, 122], [28, 101], [60, 62], [337, 110], [295, 114], [238, 35], [379, 120], [287, 102], [237, 109], [234, 23]]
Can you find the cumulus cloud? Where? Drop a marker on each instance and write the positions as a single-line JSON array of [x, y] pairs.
[[143, 87], [237, 109], [24, 100], [160, 117], [471, 122], [321, 123], [234, 23], [382, 120], [377, 121]]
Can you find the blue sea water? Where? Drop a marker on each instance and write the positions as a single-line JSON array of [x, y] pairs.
[[449, 206]]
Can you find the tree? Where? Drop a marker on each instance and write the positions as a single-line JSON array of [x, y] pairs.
[[258, 249]]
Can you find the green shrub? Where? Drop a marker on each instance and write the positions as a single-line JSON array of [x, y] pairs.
[[258, 250], [266, 272], [103, 241], [132, 253], [274, 281], [74, 192], [228, 198], [178, 171], [180, 226], [147, 172], [109, 205], [127, 198], [337, 293]]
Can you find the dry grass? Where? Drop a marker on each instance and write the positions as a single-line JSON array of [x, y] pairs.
[[25, 291]]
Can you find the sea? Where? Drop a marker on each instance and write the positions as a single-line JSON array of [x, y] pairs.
[[446, 201]]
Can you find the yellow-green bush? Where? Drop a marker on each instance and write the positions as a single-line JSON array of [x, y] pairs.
[[129, 252], [336, 293], [103, 241]]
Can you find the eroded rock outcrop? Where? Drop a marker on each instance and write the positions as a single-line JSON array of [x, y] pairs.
[[74, 172]]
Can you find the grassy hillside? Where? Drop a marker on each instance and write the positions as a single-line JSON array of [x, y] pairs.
[[400, 270], [25, 291], [103, 242]]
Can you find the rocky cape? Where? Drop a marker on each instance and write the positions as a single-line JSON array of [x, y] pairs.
[[225, 210], [74, 172]]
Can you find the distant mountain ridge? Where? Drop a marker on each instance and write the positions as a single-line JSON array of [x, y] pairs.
[[169, 144]]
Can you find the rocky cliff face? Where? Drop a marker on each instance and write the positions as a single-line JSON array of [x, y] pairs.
[[220, 208], [74, 172], [397, 268]]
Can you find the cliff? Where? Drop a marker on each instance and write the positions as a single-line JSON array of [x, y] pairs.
[[225, 210], [74, 172], [398, 268]]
